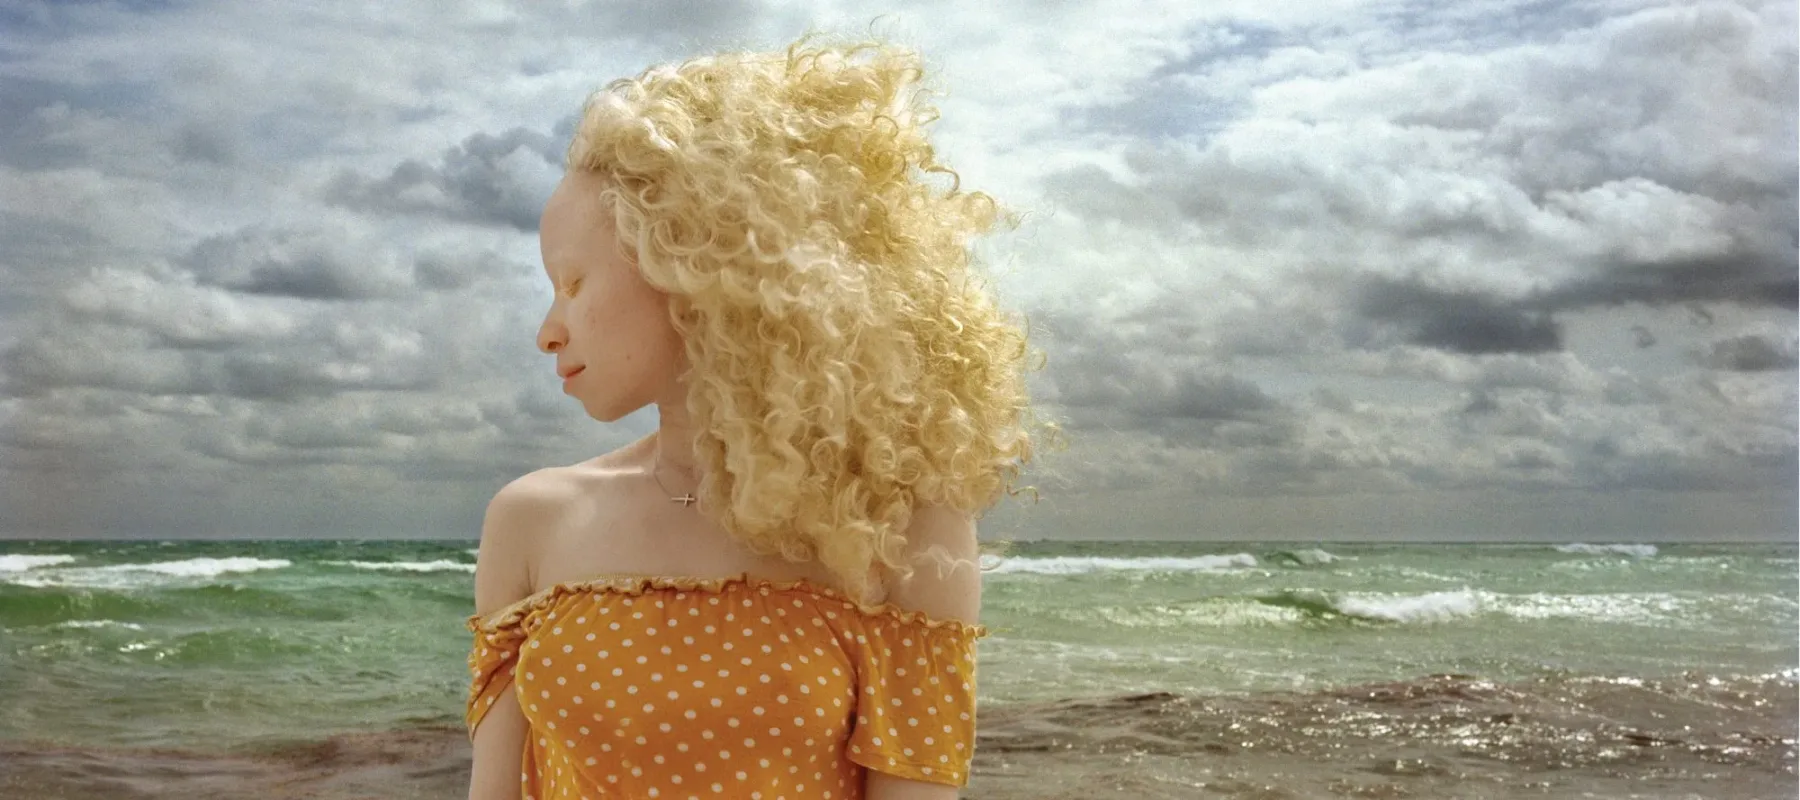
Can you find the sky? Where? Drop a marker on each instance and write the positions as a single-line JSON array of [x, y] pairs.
[[1485, 270]]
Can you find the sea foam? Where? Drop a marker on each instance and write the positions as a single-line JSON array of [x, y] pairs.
[[133, 575], [1623, 607], [20, 563], [1633, 550], [1432, 607], [1304, 558], [441, 565], [1076, 565], [99, 623], [1403, 608], [201, 567]]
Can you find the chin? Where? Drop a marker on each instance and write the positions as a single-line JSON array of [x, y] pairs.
[[604, 413]]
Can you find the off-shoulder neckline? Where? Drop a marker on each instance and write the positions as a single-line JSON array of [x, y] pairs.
[[636, 585]]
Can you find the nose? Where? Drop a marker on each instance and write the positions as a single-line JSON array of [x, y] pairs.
[[552, 335]]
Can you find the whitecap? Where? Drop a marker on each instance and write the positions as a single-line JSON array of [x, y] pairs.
[[1076, 565], [148, 574], [1305, 558], [99, 623], [1432, 607], [201, 567], [1633, 550], [408, 566], [24, 563]]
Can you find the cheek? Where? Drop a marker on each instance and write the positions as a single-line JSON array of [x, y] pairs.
[[584, 316]]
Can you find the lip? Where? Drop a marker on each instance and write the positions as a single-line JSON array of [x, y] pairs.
[[569, 372]]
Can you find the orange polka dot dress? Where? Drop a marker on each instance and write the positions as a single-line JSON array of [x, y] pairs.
[[725, 688]]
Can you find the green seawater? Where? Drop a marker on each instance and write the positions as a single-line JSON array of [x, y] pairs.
[[184, 643]]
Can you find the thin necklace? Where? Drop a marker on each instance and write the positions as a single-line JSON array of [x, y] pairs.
[[685, 500]]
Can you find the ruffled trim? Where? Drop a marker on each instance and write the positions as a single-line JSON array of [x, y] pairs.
[[636, 585]]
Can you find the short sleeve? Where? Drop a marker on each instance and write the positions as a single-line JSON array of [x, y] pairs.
[[915, 708], [491, 658]]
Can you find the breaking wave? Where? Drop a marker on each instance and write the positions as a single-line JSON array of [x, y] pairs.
[[1633, 550], [441, 565], [19, 563], [1303, 558], [122, 576], [1429, 607], [1076, 565]]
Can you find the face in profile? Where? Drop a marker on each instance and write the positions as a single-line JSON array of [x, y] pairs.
[[615, 348]]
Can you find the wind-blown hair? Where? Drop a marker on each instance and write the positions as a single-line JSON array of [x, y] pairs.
[[845, 364]]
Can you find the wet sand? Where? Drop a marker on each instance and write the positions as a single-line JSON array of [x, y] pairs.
[[1437, 737]]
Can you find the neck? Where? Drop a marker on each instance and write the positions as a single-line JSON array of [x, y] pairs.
[[672, 451]]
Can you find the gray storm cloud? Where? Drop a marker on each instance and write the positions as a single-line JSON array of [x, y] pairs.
[[1353, 254]]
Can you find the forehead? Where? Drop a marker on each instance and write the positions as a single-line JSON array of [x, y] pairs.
[[574, 227]]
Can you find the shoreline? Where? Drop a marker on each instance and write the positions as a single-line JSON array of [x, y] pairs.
[[1437, 736]]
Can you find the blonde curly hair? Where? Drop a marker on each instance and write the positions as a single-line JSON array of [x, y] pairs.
[[845, 365]]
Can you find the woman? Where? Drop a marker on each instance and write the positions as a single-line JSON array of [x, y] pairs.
[[776, 593]]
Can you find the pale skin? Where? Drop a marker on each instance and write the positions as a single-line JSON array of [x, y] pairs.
[[610, 516]]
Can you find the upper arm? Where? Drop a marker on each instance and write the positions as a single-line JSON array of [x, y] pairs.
[[942, 549], [509, 533], [503, 575], [945, 556]]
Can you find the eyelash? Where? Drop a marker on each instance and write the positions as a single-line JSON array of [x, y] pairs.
[[574, 286]]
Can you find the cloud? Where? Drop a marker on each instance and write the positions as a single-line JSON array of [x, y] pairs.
[[321, 360], [1750, 353], [310, 264], [1459, 321], [487, 179], [1143, 368], [1378, 254], [1743, 280], [178, 312]]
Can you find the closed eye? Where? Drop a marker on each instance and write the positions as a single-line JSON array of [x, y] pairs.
[[574, 286]]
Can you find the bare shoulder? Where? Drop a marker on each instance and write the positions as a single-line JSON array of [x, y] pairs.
[[536, 493], [945, 556], [519, 518]]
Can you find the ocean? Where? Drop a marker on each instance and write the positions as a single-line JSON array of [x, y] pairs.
[[1141, 669]]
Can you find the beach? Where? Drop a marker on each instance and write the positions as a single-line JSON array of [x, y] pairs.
[[1439, 737], [1142, 670]]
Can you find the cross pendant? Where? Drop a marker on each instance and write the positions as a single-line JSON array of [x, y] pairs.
[[685, 500]]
